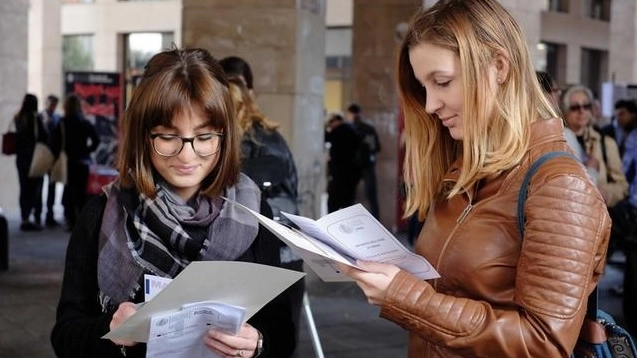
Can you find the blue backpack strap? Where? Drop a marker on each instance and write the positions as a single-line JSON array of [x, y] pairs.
[[527, 180]]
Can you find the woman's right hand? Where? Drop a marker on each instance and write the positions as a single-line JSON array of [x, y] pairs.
[[124, 311]]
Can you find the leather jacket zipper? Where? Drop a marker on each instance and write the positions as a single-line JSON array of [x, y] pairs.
[[464, 213]]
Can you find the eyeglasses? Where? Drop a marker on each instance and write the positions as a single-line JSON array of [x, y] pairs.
[[580, 107], [170, 145]]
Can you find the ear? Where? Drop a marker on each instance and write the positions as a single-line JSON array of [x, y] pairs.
[[502, 66]]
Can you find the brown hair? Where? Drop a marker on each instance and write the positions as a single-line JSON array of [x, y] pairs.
[[174, 82]]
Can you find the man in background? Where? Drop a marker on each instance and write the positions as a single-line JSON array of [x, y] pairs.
[[368, 148], [51, 120]]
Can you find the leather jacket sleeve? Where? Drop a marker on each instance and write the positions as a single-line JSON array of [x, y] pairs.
[[561, 259]]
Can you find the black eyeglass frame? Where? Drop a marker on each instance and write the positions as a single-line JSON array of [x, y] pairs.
[[185, 140]]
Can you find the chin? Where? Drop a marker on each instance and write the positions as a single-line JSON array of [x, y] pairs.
[[456, 133]]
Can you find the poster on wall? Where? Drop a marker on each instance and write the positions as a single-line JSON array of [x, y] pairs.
[[101, 95]]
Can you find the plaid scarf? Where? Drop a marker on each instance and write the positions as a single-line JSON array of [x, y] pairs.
[[162, 236]]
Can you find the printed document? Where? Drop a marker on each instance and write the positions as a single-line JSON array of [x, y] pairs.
[[219, 284], [180, 334], [345, 236]]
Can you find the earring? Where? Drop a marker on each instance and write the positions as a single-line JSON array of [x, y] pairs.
[[499, 80]]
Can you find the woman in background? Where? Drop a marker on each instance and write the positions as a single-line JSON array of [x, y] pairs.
[[80, 140], [28, 123]]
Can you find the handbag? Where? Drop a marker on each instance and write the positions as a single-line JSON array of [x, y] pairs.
[[42, 159], [59, 170], [600, 336], [9, 141]]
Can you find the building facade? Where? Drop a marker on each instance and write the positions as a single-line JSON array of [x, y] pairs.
[[350, 57]]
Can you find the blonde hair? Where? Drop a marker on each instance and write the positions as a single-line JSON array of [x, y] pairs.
[[246, 108], [496, 134]]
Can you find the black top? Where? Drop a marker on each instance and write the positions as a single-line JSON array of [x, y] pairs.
[[80, 322]]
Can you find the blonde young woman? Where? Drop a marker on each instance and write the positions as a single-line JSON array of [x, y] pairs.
[[475, 120]]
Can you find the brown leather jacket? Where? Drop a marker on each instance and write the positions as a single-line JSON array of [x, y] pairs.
[[499, 295]]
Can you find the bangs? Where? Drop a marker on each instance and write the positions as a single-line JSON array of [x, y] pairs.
[[210, 97]]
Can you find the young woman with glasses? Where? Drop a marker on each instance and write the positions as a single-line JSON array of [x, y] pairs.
[[178, 155]]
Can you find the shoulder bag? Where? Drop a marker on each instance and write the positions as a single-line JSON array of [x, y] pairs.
[[9, 141], [58, 171], [600, 336], [42, 159]]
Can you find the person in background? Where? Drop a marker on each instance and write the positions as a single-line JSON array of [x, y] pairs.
[[179, 155], [268, 161], [343, 173], [51, 120], [623, 123], [600, 152], [235, 66], [554, 93], [80, 140], [369, 147], [471, 136], [27, 123], [624, 214]]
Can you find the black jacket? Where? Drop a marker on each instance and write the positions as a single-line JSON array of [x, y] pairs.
[[80, 322]]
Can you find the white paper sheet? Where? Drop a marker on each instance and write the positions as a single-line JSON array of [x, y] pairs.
[[243, 284], [344, 236], [180, 334]]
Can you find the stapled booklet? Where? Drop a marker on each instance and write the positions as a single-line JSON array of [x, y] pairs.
[[345, 236]]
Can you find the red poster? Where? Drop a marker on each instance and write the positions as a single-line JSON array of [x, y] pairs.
[[101, 94]]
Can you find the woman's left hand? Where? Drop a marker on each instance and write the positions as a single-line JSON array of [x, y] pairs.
[[244, 344], [374, 280]]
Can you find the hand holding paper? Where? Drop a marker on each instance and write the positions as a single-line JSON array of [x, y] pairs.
[[236, 283], [345, 236]]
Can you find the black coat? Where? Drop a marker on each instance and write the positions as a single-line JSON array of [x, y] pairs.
[[80, 322]]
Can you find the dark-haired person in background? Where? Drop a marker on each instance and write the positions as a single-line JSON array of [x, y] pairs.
[[28, 123], [368, 149]]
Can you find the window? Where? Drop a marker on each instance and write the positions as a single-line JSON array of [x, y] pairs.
[[139, 48], [599, 9], [557, 5], [556, 61], [594, 66], [77, 53]]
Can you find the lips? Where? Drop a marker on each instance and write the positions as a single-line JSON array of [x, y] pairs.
[[185, 169], [446, 121]]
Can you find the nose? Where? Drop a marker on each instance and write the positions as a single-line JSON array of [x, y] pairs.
[[187, 151], [432, 104]]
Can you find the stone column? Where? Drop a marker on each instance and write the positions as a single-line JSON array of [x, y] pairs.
[[374, 48], [13, 86], [45, 50], [284, 42], [623, 42]]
